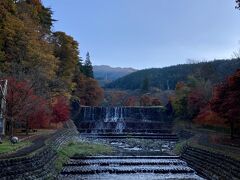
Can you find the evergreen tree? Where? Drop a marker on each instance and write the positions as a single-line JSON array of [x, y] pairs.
[[238, 4], [87, 67]]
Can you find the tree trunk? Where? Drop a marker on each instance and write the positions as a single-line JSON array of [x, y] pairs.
[[11, 127]]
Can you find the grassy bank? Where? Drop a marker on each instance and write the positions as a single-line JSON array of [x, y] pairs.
[[80, 149], [8, 147]]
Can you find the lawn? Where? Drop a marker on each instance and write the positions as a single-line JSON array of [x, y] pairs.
[[80, 149], [8, 147]]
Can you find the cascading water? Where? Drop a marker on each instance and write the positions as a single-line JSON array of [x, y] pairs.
[[122, 119], [115, 115]]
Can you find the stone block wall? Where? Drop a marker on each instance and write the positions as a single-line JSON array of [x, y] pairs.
[[211, 165], [39, 164]]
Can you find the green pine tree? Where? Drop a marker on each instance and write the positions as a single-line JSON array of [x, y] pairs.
[[87, 67]]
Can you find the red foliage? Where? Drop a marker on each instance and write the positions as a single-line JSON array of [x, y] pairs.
[[156, 102], [25, 107], [226, 101], [145, 100], [42, 116], [195, 101], [60, 110], [131, 101], [208, 117]]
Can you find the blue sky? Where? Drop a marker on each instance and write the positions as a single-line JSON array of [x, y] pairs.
[[149, 33]]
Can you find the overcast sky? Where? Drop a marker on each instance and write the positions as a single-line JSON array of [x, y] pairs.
[[149, 33]]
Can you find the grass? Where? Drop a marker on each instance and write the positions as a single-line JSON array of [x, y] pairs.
[[80, 149], [8, 147], [179, 147]]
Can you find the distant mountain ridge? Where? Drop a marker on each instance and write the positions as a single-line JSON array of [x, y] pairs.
[[166, 78], [106, 74]]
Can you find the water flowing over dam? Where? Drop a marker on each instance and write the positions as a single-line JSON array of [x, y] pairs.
[[123, 120], [141, 137]]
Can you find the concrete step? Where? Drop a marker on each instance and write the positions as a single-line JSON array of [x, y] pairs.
[[127, 167], [163, 137], [133, 176]]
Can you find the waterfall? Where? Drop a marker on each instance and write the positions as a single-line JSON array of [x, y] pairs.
[[121, 119]]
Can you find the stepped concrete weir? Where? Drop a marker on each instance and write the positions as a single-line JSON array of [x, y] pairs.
[[119, 122], [127, 167]]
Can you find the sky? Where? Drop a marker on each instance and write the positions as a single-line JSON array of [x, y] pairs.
[[149, 33]]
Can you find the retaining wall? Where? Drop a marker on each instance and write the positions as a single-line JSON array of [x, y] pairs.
[[39, 165], [211, 165]]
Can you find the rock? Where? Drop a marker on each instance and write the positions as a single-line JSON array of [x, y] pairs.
[[14, 140]]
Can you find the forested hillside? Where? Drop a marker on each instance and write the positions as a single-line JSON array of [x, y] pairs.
[[167, 78], [106, 74], [43, 67]]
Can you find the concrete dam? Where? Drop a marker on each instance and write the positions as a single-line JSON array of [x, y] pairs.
[[147, 122]]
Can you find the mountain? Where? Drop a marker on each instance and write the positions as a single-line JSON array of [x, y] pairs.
[[106, 74], [167, 78]]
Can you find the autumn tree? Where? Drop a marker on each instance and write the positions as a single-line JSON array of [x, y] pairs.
[[225, 101], [156, 102], [66, 50], [93, 93], [145, 100], [22, 104], [191, 97], [60, 110], [25, 43], [179, 101], [130, 101], [199, 95], [42, 65]]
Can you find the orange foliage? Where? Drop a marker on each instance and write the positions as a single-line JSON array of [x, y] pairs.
[[208, 117], [145, 100], [156, 102], [131, 101]]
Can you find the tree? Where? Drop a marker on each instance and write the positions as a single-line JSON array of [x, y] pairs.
[[87, 67], [156, 102], [60, 110], [131, 101], [207, 117], [191, 97], [179, 101], [87, 91], [145, 100], [23, 105], [225, 101], [93, 93], [66, 50], [25, 43], [238, 4]]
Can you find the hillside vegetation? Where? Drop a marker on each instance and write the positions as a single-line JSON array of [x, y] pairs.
[[167, 78], [106, 74]]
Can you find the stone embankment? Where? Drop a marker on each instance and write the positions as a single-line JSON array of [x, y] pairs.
[[39, 164], [211, 165]]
